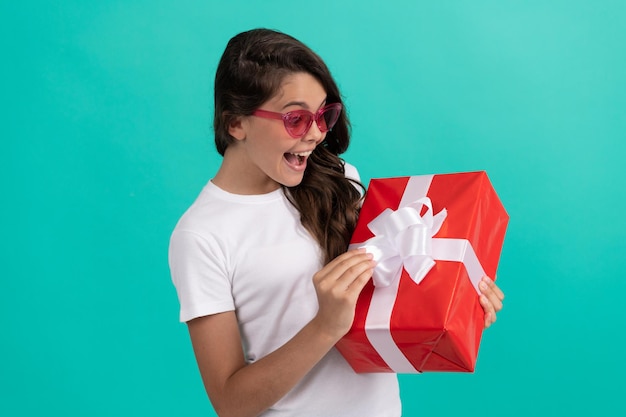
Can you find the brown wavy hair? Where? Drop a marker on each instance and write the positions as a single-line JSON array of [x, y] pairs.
[[250, 72]]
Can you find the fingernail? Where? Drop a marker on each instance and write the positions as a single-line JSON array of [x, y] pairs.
[[482, 285]]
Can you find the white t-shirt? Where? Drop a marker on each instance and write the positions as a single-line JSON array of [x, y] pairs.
[[251, 254]]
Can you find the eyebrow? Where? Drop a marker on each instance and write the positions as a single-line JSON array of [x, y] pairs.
[[303, 104]]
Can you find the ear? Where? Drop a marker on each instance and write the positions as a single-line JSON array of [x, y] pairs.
[[236, 128]]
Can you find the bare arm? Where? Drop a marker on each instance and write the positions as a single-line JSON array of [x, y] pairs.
[[217, 343]]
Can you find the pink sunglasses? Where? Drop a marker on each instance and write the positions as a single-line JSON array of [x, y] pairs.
[[298, 122]]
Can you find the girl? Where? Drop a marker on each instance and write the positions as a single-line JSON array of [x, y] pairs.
[[259, 260]]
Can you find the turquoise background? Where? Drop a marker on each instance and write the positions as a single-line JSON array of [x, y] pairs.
[[106, 139]]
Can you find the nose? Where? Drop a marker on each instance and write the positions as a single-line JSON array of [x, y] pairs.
[[314, 134]]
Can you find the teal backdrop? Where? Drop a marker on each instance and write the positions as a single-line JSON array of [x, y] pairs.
[[106, 138]]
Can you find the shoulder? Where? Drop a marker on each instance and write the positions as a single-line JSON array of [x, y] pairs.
[[207, 219], [205, 212], [351, 171]]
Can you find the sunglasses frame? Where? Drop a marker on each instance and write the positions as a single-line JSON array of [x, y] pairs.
[[317, 116]]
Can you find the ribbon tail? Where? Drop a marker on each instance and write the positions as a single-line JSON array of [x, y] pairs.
[[418, 266], [378, 332]]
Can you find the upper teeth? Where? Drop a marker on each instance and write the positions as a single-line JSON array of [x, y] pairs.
[[302, 153]]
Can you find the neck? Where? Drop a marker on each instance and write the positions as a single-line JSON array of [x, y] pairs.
[[237, 176]]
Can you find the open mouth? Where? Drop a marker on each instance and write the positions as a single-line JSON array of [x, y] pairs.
[[297, 159]]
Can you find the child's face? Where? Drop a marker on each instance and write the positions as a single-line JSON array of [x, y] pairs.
[[269, 156]]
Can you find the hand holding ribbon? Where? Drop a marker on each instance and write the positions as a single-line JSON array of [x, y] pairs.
[[403, 238]]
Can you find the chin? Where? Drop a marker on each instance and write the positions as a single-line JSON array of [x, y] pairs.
[[292, 182]]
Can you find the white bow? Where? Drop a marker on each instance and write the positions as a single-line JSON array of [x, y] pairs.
[[403, 238]]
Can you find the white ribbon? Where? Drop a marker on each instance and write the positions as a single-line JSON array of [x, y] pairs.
[[403, 239]]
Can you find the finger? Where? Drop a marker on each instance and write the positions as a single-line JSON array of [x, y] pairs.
[[488, 321], [490, 313], [338, 266], [346, 257], [490, 294], [357, 274], [359, 281], [494, 287], [338, 277]]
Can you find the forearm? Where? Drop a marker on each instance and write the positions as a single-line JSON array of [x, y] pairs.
[[256, 387]]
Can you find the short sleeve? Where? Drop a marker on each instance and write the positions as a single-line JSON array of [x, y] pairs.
[[351, 172], [200, 274]]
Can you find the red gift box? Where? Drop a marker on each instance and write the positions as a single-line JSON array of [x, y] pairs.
[[434, 237]]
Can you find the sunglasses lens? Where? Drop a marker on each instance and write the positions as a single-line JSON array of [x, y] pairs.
[[297, 123], [328, 118]]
